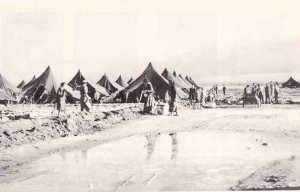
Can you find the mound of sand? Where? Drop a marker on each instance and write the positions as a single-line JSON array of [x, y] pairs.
[[31, 126]]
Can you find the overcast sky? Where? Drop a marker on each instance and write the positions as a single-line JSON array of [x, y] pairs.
[[199, 38]]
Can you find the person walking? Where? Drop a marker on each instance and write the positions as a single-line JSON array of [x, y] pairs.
[[147, 96], [84, 97], [173, 99], [61, 99]]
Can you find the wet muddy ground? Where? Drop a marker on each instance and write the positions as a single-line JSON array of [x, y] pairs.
[[214, 149]]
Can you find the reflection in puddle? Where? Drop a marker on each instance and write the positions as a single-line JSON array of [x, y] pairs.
[[150, 144], [84, 154], [177, 161], [174, 145]]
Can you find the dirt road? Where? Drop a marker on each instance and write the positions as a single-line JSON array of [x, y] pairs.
[[214, 149]]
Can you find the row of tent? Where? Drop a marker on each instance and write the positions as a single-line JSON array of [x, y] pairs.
[[43, 88]]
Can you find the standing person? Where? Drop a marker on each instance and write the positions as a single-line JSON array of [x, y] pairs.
[[97, 96], [260, 93], [224, 91], [246, 94], [192, 94], [61, 99], [267, 94], [84, 97], [276, 92], [147, 96], [203, 96], [198, 97], [217, 90], [173, 99], [272, 92], [254, 89]]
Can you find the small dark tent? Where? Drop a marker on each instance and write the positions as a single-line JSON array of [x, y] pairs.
[[21, 85], [291, 83], [121, 82], [159, 83], [92, 87], [111, 87], [130, 81]]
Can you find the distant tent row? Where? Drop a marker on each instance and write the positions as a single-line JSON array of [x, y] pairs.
[[95, 91], [110, 86], [43, 89], [181, 89]]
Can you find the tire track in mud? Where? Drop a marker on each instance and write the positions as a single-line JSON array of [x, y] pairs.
[[124, 183], [152, 178]]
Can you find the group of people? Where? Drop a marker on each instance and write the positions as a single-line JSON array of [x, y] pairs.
[[60, 101], [197, 95], [265, 94], [147, 97]]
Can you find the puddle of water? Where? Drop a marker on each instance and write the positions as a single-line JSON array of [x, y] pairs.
[[206, 160]]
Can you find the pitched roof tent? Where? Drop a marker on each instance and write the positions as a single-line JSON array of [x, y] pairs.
[[112, 87], [29, 83], [183, 84], [77, 81], [7, 86], [6, 96], [6, 90], [184, 80], [291, 83], [121, 82], [180, 88], [159, 83], [43, 89], [21, 85], [189, 79]]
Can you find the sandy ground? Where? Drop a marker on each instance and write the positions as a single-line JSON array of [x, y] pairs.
[[280, 169]]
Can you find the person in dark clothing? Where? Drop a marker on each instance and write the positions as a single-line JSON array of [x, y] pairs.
[[224, 91], [173, 99], [147, 96], [192, 94], [217, 90]]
